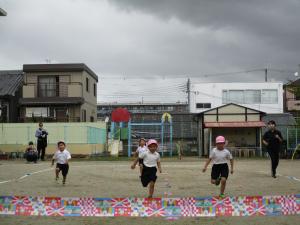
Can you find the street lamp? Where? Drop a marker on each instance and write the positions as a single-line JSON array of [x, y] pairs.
[[2, 12]]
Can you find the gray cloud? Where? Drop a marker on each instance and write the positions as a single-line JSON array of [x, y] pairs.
[[152, 39], [263, 32]]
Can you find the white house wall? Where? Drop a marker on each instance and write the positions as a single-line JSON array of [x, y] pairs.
[[213, 92]]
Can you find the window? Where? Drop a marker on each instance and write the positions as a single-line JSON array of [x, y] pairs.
[[236, 96], [87, 84], [36, 112], [95, 90], [48, 86], [203, 105], [252, 96], [269, 96]]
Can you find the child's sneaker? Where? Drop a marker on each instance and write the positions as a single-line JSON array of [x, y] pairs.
[[64, 181], [218, 180], [222, 195]]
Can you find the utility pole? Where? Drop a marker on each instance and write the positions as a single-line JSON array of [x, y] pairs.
[[266, 75], [189, 92]]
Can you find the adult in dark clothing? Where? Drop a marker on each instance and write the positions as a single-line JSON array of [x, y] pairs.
[[31, 154], [41, 135], [272, 139]]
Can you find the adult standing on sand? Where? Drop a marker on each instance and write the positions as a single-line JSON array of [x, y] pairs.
[[41, 135]]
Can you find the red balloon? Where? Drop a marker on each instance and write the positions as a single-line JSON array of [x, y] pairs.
[[120, 115]]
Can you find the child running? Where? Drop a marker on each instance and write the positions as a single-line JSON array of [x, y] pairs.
[[142, 148], [62, 157], [151, 160], [220, 156]]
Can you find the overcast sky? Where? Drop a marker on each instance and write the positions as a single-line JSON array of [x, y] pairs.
[[138, 45]]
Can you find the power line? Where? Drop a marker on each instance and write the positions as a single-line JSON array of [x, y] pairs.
[[233, 73]]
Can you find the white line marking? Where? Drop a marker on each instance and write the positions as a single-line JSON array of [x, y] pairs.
[[280, 175]]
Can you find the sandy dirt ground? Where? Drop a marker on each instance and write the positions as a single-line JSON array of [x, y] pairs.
[[116, 179]]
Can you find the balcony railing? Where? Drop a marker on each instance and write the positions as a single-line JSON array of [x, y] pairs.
[[48, 90], [58, 89]]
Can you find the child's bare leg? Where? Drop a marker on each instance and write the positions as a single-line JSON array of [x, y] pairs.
[[151, 189], [64, 179], [141, 169], [223, 185], [56, 173]]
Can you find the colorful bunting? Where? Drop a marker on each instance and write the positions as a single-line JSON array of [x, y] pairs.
[[151, 207]]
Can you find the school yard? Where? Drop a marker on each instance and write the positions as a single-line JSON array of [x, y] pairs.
[[116, 179]]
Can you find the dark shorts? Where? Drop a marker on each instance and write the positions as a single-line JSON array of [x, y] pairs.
[[148, 175], [141, 161], [64, 168], [219, 170]]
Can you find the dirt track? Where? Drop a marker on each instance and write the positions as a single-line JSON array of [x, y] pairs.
[[116, 179]]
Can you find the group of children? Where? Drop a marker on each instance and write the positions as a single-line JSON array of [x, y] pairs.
[[149, 160]]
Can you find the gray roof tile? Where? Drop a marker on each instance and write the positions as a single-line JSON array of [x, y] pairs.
[[10, 81]]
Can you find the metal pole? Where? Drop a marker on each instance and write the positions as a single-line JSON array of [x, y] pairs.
[[129, 138], [260, 141], [296, 136], [210, 140], [266, 75], [112, 130], [287, 139], [171, 137], [162, 138]]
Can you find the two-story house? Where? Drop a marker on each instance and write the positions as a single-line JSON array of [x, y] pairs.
[[59, 92], [292, 98]]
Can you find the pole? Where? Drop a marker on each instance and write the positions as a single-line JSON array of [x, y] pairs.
[[129, 138], [189, 93], [171, 137], [112, 130], [266, 75], [287, 139], [162, 138]]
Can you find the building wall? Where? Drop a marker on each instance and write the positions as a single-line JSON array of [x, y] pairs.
[[90, 104], [213, 93], [63, 86], [15, 136]]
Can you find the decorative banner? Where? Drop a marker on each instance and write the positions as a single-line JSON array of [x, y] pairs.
[[151, 207]]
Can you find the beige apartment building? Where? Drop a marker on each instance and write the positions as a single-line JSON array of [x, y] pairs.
[[59, 93]]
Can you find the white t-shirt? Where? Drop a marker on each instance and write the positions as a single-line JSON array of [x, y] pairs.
[[220, 156], [140, 150], [150, 159], [62, 157]]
